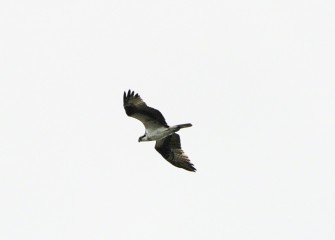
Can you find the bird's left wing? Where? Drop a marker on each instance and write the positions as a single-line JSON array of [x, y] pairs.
[[170, 149], [135, 107]]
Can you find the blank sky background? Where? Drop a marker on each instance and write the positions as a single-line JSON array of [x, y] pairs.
[[255, 78]]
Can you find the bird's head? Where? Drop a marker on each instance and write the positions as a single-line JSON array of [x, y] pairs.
[[140, 139]]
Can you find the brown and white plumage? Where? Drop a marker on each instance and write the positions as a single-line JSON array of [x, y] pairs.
[[156, 129], [135, 107], [170, 149]]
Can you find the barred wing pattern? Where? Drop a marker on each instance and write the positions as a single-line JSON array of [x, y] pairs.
[[170, 149], [135, 107]]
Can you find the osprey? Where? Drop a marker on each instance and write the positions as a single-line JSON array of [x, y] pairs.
[[156, 129]]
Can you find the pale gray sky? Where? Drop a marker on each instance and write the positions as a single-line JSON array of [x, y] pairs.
[[255, 78]]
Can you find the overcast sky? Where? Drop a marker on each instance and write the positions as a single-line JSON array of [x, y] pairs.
[[255, 78]]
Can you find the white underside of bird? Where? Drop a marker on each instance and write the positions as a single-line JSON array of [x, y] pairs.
[[158, 133]]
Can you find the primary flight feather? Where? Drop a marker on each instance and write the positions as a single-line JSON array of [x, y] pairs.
[[156, 129]]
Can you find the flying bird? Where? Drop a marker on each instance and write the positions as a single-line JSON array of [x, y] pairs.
[[156, 129]]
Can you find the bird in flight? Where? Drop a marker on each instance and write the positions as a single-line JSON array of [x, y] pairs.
[[156, 129]]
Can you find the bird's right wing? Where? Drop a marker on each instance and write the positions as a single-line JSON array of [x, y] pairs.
[[170, 149]]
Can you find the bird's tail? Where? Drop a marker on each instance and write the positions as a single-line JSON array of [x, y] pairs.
[[186, 125], [176, 128]]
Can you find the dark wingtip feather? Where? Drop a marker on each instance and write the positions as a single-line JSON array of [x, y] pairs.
[[127, 95], [190, 167]]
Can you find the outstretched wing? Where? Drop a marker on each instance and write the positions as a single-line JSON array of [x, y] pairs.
[[170, 149], [135, 107]]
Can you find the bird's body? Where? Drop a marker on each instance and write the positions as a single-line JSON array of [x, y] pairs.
[[154, 134], [156, 129]]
